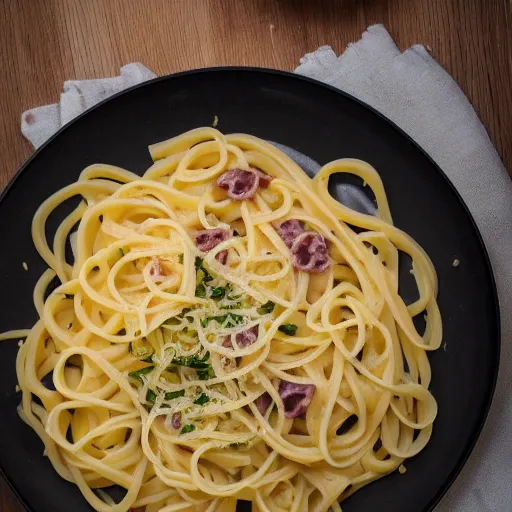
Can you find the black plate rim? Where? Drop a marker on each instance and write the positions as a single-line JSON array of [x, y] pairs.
[[475, 435]]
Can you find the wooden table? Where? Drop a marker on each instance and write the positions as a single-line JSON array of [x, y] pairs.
[[43, 43]]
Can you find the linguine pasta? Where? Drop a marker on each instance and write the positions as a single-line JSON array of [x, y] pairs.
[[224, 333]]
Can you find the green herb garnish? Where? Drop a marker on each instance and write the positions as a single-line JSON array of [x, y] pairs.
[[172, 321], [150, 396], [236, 305], [231, 319], [267, 308], [200, 275], [193, 361], [171, 395], [202, 399], [205, 275], [143, 371], [238, 445], [200, 291], [142, 349], [289, 329], [187, 428], [206, 374], [218, 292]]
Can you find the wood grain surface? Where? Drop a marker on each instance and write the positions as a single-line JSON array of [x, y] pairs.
[[44, 42]]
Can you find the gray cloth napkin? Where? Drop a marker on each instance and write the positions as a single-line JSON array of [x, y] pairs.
[[40, 123], [415, 92]]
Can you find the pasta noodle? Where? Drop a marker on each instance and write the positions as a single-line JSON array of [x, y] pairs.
[[226, 331]]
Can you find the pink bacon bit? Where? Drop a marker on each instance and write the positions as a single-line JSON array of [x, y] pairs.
[[248, 337], [243, 183], [263, 402], [207, 239], [289, 230], [310, 253], [243, 339], [309, 248], [222, 257], [265, 179], [156, 268], [176, 420], [296, 397]]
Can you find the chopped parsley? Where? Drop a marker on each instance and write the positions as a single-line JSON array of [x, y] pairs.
[[143, 371], [200, 291], [236, 305], [171, 395], [202, 274], [142, 349], [202, 399], [267, 308], [289, 329], [193, 361], [238, 445], [172, 321], [231, 319], [205, 374], [218, 292], [187, 428]]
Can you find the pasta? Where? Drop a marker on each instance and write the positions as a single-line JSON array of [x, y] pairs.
[[226, 331]]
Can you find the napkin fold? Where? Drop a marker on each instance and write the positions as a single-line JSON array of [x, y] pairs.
[[417, 94], [40, 123]]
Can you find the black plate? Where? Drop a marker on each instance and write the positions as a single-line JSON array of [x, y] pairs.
[[324, 124]]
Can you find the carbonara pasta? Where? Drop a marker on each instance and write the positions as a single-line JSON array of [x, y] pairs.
[[226, 331]]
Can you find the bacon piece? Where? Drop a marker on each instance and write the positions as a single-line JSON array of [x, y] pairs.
[[243, 339], [176, 420], [247, 337], [310, 253], [222, 257], [156, 268], [289, 230], [226, 342], [207, 239], [228, 363], [265, 179], [296, 397], [243, 183], [263, 402]]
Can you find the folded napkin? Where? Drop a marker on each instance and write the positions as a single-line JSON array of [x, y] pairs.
[[416, 93], [40, 123]]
